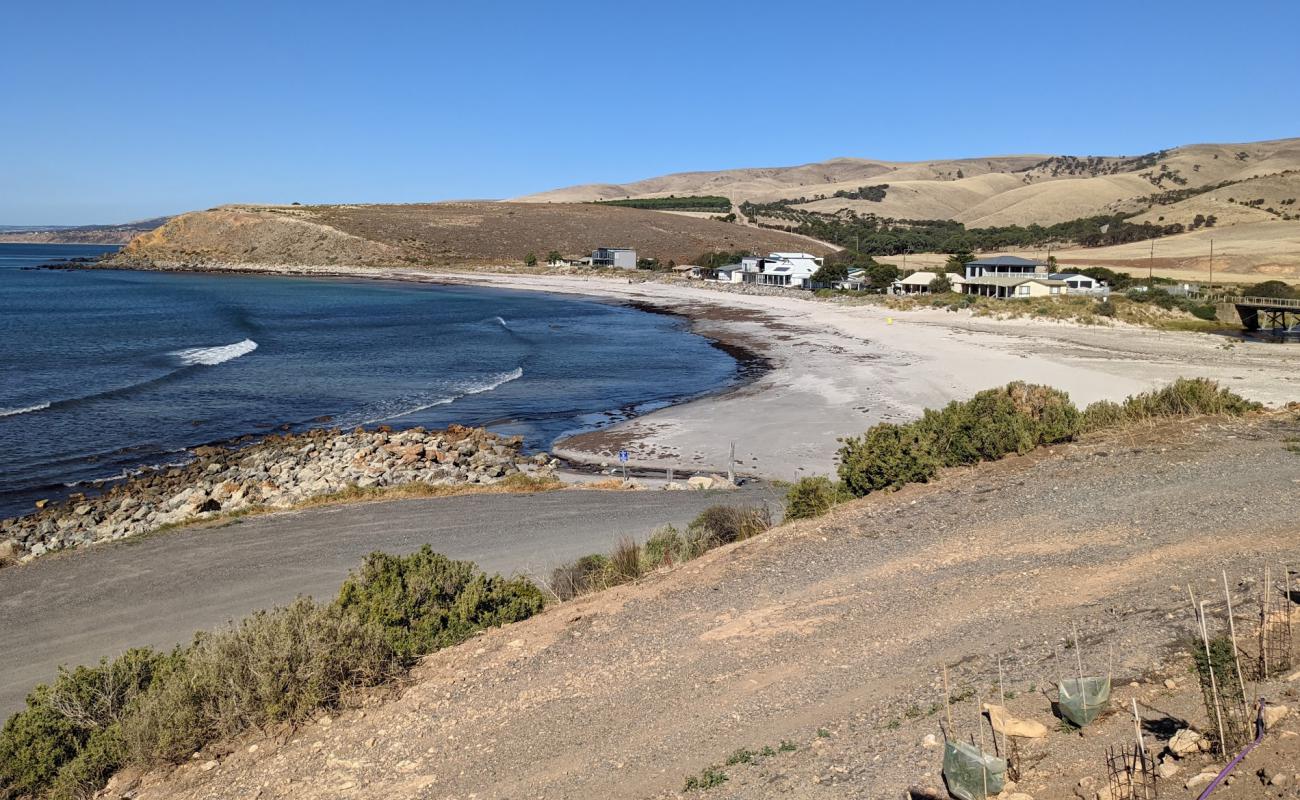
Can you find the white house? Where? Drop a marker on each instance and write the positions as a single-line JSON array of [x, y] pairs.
[[1004, 266], [919, 283], [792, 270], [1076, 283]]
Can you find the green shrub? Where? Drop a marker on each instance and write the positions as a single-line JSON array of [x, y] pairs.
[[1106, 308], [1186, 397], [726, 524], [625, 561], [1103, 414], [814, 496], [1206, 312], [664, 548], [70, 726], [587, 574], [273, 666], [887, 457], [426, 601]]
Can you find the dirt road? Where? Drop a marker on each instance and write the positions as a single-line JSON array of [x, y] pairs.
[[159, 590], [826, 634]]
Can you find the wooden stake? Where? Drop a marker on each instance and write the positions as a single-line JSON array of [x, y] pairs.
[[1232, 631], [1137, 727], [1214, 685]]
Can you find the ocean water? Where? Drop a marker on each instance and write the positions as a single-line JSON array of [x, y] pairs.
[[103, 372]]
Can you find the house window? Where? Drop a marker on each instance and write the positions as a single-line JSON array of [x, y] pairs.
[[1022, 290], [1056, 290]]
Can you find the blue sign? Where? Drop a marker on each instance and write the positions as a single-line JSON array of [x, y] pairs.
[[622, 456]]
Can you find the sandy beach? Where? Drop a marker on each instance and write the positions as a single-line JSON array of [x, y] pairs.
[[827, 370], [835, 370]]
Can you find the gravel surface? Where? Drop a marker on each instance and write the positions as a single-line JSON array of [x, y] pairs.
[[826, 633]]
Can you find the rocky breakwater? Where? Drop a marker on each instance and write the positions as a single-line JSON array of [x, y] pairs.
[[276, 472]]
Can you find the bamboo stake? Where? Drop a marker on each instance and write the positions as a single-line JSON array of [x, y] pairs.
[[1232, 631], [1214, 686], [947, 701], [984, 764], [1263, 623], [1002, 699], [1078, 656]]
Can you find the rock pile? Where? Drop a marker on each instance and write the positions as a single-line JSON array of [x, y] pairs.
[[277, 472]]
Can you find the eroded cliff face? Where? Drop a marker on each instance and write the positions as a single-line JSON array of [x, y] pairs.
[[249, 235]]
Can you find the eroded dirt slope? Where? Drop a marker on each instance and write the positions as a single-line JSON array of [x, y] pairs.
[[826, 633]]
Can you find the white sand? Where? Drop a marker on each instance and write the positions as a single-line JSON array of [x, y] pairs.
[[839, 369]]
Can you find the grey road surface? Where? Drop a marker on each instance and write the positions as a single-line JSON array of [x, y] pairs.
[[76, 607]]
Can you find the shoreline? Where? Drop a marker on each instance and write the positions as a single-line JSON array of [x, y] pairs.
[[832, 370]]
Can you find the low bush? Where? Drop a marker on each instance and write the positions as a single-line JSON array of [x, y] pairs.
[[274, 666], [625, 561], [588, 574], [814, 496], [664, 548], [1186, 397], [1013, 419], [727, 524], [67, 740], [426, 601], [886, 457]]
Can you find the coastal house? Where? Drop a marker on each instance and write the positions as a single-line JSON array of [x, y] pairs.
[[791, 270], [616, 257], [1076, 283], [1013, 286], [919, 283], [1004, 266]]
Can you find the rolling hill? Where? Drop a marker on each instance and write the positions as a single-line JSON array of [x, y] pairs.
[[438, 234], [1249, 190]]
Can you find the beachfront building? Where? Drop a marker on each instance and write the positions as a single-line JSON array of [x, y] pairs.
[[616, 257], [790, 270], [1013, 286], [919, 282], [1076, 283], [1004, 266]]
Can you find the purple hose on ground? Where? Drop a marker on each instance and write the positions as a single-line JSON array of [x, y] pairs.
[[1259, 736]]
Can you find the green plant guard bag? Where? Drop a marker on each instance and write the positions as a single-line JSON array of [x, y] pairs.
[[1081, 702], [970, 773]]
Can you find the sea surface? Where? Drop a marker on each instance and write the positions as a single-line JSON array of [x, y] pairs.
[[103, 372]]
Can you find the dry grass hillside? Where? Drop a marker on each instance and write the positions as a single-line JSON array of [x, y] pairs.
[[1003, 190], [440, 234]]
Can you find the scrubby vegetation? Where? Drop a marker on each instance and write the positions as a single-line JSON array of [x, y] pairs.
[[710, 202], [874, 235], [714, 527], [273, 667], [1015, 418], [813, 496]]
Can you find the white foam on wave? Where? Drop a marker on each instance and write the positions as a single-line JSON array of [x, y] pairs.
[[11, 412], [487, 385], [211, 356]]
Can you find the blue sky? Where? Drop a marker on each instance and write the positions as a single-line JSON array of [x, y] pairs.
[[124, 110]]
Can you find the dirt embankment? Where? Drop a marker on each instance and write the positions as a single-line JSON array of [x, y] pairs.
[[437, 234], [827, 635]]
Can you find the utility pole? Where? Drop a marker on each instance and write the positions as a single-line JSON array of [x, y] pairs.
[[1210, 288], [1151, 267]]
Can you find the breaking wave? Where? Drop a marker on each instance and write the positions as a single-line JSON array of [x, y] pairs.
[[10, 412], [487, 385], [211, 356]]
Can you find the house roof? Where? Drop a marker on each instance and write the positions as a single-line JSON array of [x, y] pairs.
[[1012, 280], [1004, 261], [1060, 276], [918, 278]]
